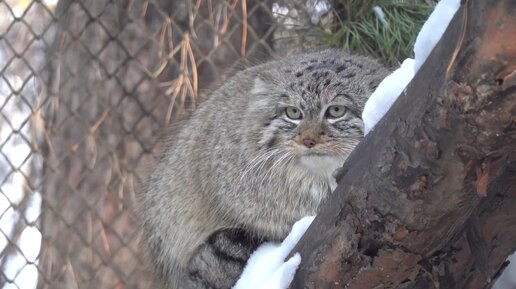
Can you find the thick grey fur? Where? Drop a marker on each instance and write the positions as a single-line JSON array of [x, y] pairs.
[[239, 162]]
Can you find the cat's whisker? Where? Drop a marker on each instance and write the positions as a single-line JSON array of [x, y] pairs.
[[276, 164], [267, 175], [288, 157], [261, 166], [259, 163], [259, 159]]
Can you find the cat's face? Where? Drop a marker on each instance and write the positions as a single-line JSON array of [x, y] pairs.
[[312, 113]]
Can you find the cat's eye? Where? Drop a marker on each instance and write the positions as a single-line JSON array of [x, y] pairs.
[[293, 112], [335, 111]]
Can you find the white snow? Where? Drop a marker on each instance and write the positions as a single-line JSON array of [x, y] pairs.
[[386, 93], [50, 3], [508, 278], [279, 10], [380, 14], [433, 29], [267, 268], [16, 164], [317, 9], [393, 85]]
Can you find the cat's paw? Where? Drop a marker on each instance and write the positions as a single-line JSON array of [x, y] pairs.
[[221, 259]]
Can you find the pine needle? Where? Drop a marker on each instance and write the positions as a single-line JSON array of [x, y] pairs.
[[363, 32]]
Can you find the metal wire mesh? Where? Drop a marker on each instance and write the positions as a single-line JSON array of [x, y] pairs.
[[87, 89]]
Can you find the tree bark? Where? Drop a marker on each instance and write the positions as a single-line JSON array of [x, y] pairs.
[[427, 199]]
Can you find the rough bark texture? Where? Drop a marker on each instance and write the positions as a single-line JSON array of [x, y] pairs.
[[427, 199]]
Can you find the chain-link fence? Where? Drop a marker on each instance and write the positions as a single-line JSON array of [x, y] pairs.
[[87, 89]]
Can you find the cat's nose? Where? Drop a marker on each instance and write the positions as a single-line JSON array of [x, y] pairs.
[[309, 143]]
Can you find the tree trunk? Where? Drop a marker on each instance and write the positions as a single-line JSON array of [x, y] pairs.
[[427, 199]]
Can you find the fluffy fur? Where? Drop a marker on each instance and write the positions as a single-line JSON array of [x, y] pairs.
[[241, 162]]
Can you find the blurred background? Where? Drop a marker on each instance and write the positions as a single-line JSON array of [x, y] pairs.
[[89, 87]]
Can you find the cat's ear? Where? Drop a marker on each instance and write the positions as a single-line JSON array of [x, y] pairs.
[[259, 86], [261, 91], [262, 84]]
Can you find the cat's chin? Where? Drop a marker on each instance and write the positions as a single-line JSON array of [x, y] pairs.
[[321, 164]]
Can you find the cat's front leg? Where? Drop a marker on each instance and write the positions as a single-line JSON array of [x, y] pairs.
[[219, 261]]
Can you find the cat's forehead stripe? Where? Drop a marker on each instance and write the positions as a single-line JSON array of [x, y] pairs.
[[316, 85]]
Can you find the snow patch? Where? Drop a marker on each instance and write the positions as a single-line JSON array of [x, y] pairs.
[[386, 93], [433, 30], [267, 269]]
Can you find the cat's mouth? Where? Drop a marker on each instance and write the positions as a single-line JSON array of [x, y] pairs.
[[314, 153], [318, 150], [319, 162]]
